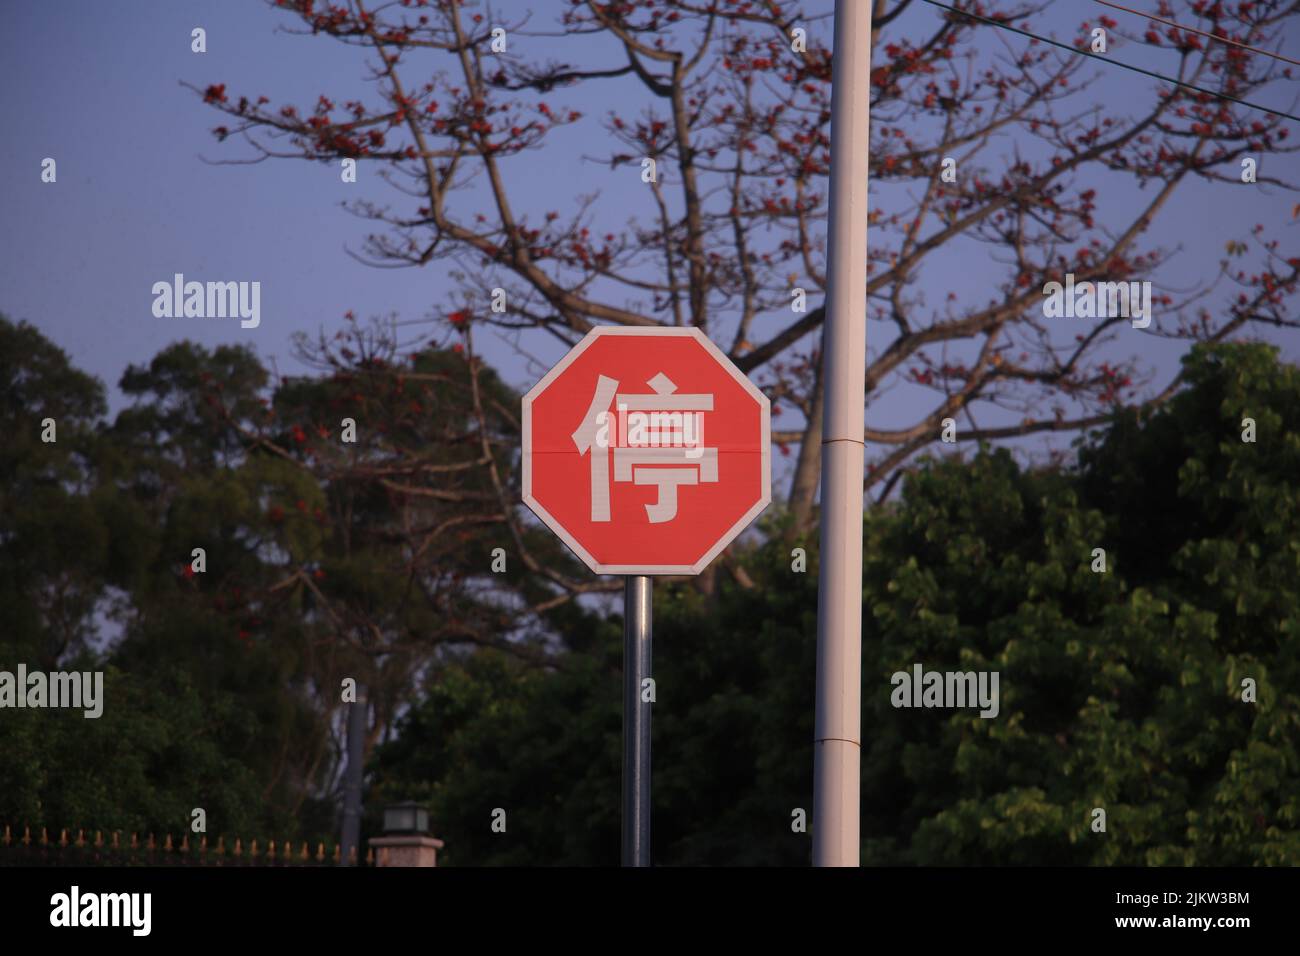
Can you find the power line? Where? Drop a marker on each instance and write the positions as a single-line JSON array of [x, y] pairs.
[[1103, 59], [1244, 46]]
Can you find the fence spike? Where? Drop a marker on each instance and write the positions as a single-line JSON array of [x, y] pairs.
[[252, 850], [320, 852], [337, 851], [116, 833], [27, 835], [5, 841], [185, 843], [239, 849], [81, 839], [63, 837], [305, 855], [221, 845], [167, 844], [44, 837], [135, 841], [370, 856], [270, 851]]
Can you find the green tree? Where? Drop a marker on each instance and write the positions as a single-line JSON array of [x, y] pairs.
[[732, 734], [78, 550], [48, 589], [1118, 690]]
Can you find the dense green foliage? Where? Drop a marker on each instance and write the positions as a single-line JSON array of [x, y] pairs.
[[1119, 690], [223, 683]]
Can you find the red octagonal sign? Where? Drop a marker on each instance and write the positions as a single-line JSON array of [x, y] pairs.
[[646, 450]]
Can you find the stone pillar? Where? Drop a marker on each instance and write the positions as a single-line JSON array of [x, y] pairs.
[[406, 850]]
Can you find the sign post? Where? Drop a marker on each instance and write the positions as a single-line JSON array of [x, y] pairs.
[[647, 452], [637, 614]]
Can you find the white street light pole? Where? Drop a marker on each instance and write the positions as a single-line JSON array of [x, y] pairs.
[[838, 735]]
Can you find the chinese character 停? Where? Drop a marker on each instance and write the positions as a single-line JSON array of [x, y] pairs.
[[656, 439]]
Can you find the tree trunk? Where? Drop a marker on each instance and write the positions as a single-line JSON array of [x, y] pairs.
[[357, 720], [808, 468]]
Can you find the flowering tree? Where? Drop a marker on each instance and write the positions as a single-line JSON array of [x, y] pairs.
[[720, 112]]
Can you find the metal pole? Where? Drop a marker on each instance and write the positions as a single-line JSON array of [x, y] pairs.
[[636, 720], [354, 777], [838, 737]]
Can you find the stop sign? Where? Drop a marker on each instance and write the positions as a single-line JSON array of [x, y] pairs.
[[646, 450]]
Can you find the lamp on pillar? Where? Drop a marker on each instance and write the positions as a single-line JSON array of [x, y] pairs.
[[406, 840], [405, 818]]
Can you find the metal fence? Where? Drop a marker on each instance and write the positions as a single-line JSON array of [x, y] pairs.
[[29, 850]]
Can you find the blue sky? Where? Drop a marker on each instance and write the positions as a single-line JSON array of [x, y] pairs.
[[98, 87]]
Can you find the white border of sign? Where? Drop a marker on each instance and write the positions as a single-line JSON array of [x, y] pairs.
[[727, 366]]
